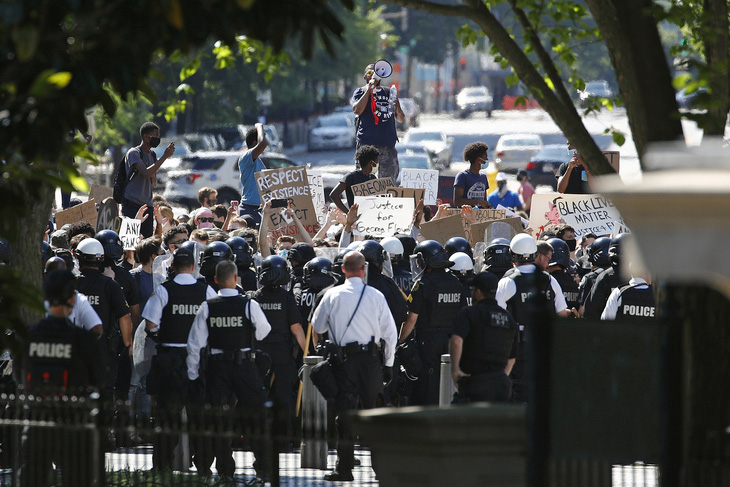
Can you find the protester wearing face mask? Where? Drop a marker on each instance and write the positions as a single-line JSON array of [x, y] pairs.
[[567, 234], [503, 196], [470, 186], [204, 218], [144, 164]]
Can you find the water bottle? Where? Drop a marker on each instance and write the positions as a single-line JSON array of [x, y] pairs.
[[392, 99]]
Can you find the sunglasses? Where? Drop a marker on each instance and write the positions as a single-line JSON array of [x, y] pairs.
[[205, 219], [178, 242]]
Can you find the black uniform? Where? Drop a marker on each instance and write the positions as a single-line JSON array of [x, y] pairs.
[[249, 282], [587, 282], [107, 299], [637, 304], [606, 282], [490, 339], [437, 297], [61, 359], [131, 293], [569, 287], [403, 277], [392, 293]]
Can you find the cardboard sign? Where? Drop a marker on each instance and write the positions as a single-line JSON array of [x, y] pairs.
[[482, 215], [100, 193], [316, 186], [586, 213], [476, 231], [427, 179], [443, 229], [613, 157], [129, 232], [374, 186], [384, 217], [108, 216], [290, 183], [446, 189], [79, 213], [398, 192]]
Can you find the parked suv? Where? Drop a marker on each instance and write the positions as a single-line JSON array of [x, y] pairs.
[[472, 99]]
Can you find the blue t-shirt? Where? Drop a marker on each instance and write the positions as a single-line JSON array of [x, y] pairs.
[[145, 283], [369, 132], [510, 200], [475, 185], [248, 168]]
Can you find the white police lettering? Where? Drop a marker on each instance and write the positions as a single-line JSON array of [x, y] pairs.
[[226, 321], [449, 298], [308, 299], [468, 300], [93, 300], [635, 310], [185, 309], [50, 350], [500, 320], [271, 306], [570, 296]]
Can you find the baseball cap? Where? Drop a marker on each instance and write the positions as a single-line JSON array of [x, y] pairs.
[[501, 177], [59, 239]]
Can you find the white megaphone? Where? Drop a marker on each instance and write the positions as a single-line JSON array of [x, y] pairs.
[[382, 69]]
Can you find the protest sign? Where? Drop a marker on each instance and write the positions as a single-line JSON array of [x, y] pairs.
[[289, 183], [613, 157], [129, 232], [398, 192], [477, 230], [374, 186], [443, 229], [586, 213], [79, 213], [446, 189], [100, 193], [482, 215], [108, 216], [427, 179], [316, 186], [384, 217]]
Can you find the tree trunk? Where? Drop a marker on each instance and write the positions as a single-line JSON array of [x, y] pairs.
[[717, 56]]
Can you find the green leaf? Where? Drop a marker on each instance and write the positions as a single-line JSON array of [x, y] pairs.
[[619, 138], [512, 79], [79, 183], [189, 69], [60, 80]]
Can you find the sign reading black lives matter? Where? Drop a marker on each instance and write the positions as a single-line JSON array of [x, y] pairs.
[[586, 213], [288, 183]]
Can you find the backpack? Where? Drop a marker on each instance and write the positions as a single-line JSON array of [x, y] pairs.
[[120, 177]]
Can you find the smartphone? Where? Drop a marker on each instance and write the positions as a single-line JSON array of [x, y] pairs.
[[276, 203], [234, 204]]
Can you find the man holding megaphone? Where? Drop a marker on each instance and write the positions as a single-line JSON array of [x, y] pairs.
[[377, 109]]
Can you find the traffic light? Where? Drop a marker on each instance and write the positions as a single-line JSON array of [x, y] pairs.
[[462, 63]]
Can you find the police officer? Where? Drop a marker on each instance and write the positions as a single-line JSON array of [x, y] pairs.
[[557, 268], [299, 254], [516, 293], [597, 256], [227, 323], [357, 318], [60, 359], [608, 280], [463, 269], [170, 313], [634, 302], [400, 249], [243, 257], [375, 257], [318, 276], [282, 313], [458, 244], [107, 299], [214, 253], [483, 346], [434, 301], [497, 259]]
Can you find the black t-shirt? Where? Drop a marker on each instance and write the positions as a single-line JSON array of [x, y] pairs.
[[129, 285], [281, 311], [355, 177], [576, 185], [105, 296]]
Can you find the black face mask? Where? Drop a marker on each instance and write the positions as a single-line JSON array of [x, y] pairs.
[[571, 244], [154, 141]]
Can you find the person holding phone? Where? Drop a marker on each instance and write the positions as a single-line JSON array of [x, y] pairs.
[[573, 176], [249, 164], [144, 163]]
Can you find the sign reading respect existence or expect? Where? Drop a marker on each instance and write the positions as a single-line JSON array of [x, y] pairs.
[[288, 183], [426, 179], [384, 216], [586, 213]]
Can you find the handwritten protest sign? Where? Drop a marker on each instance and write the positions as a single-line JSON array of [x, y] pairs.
[[108, 216], [100, 193], [289, 183], [316, 186], [443, 229], [584, 212], [79, 213], [384, 217], [481, 215], [477, 230], [398, 192], [427, 179], [374, 186], [129, 233]]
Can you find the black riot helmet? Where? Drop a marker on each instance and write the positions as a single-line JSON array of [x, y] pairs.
[[561, 253], [373, 252], [113, 248], [214, 253], [300, 253], [337, 265], [59, 287], [318, 273], [273, 272], [458, 244], [496, 256], [409, 245], [46, 252], [242, 253], [614, 250], [431, 255], [598, 252]]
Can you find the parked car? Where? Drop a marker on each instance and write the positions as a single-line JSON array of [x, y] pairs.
[[436, 142], [406, 149], [514, 151], [543, 165], [686, 99], [411, 111], [218, 170], [185, 145], [233, 137], [474, 98], [594, 89], [334, 131]]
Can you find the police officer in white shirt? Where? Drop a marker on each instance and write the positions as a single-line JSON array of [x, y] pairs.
[[356, 317], [228, 323], [632, 302]]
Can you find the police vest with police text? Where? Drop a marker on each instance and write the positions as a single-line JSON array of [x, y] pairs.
[[183, 302], [93, 284], [491, 337], [228, 327], [636, 303], [444, 298], [527, 285], [273, 303], [52, 357], [569, 287]]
